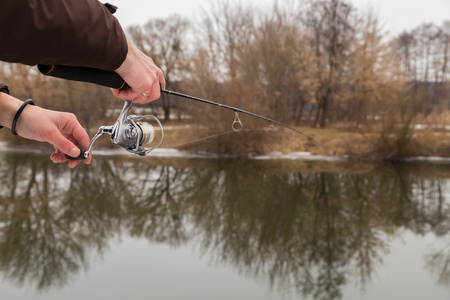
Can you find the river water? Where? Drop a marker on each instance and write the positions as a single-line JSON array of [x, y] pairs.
[[155, 228]]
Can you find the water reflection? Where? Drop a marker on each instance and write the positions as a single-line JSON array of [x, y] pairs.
[[314, 227]]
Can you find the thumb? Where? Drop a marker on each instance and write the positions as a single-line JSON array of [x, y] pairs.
[[64, 145]]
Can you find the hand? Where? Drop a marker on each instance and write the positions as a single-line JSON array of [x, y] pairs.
[[60, 129], [142, 75]]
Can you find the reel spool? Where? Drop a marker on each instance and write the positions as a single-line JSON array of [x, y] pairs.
[[148, 133], [143, 140]]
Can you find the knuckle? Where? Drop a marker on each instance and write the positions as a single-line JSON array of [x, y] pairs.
[[71, 117], [153, 77], [147, 85], [66, 116]]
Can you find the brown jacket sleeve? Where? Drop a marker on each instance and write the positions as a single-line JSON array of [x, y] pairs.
[[64, 32]]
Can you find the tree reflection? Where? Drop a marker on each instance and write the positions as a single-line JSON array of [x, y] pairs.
[[295, 226], [438, 263], [48, 217]]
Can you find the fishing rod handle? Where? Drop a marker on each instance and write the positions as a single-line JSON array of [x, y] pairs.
[[101, 77]]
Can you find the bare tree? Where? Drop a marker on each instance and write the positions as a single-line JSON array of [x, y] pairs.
[[331, 26], [424, 53], [226, 28]]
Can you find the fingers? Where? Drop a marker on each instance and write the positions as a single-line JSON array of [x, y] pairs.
[[68, 138], [77, 133], [152, 94], [162, 80], [59, 157], [64, 146]]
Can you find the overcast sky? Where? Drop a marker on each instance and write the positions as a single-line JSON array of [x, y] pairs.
[[397, 15]]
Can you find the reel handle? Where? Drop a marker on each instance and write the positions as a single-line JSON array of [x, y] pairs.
[[86, 153], [101, 77], [79, 157]]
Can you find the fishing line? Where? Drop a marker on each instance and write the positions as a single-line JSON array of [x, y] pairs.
[[217, 135]]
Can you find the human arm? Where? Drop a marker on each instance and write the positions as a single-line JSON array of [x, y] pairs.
[[62, 130], [79, 33]]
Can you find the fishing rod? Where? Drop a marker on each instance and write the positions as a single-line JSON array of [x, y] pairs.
[[136, 133]]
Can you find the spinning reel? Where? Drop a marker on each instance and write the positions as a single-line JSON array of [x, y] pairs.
[[136, 134]]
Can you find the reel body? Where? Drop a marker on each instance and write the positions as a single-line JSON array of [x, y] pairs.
[[136, 134]]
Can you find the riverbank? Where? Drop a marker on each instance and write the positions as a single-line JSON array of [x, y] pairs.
[[278, 143]]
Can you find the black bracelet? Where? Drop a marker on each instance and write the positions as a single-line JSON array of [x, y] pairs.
[[16, 117]]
